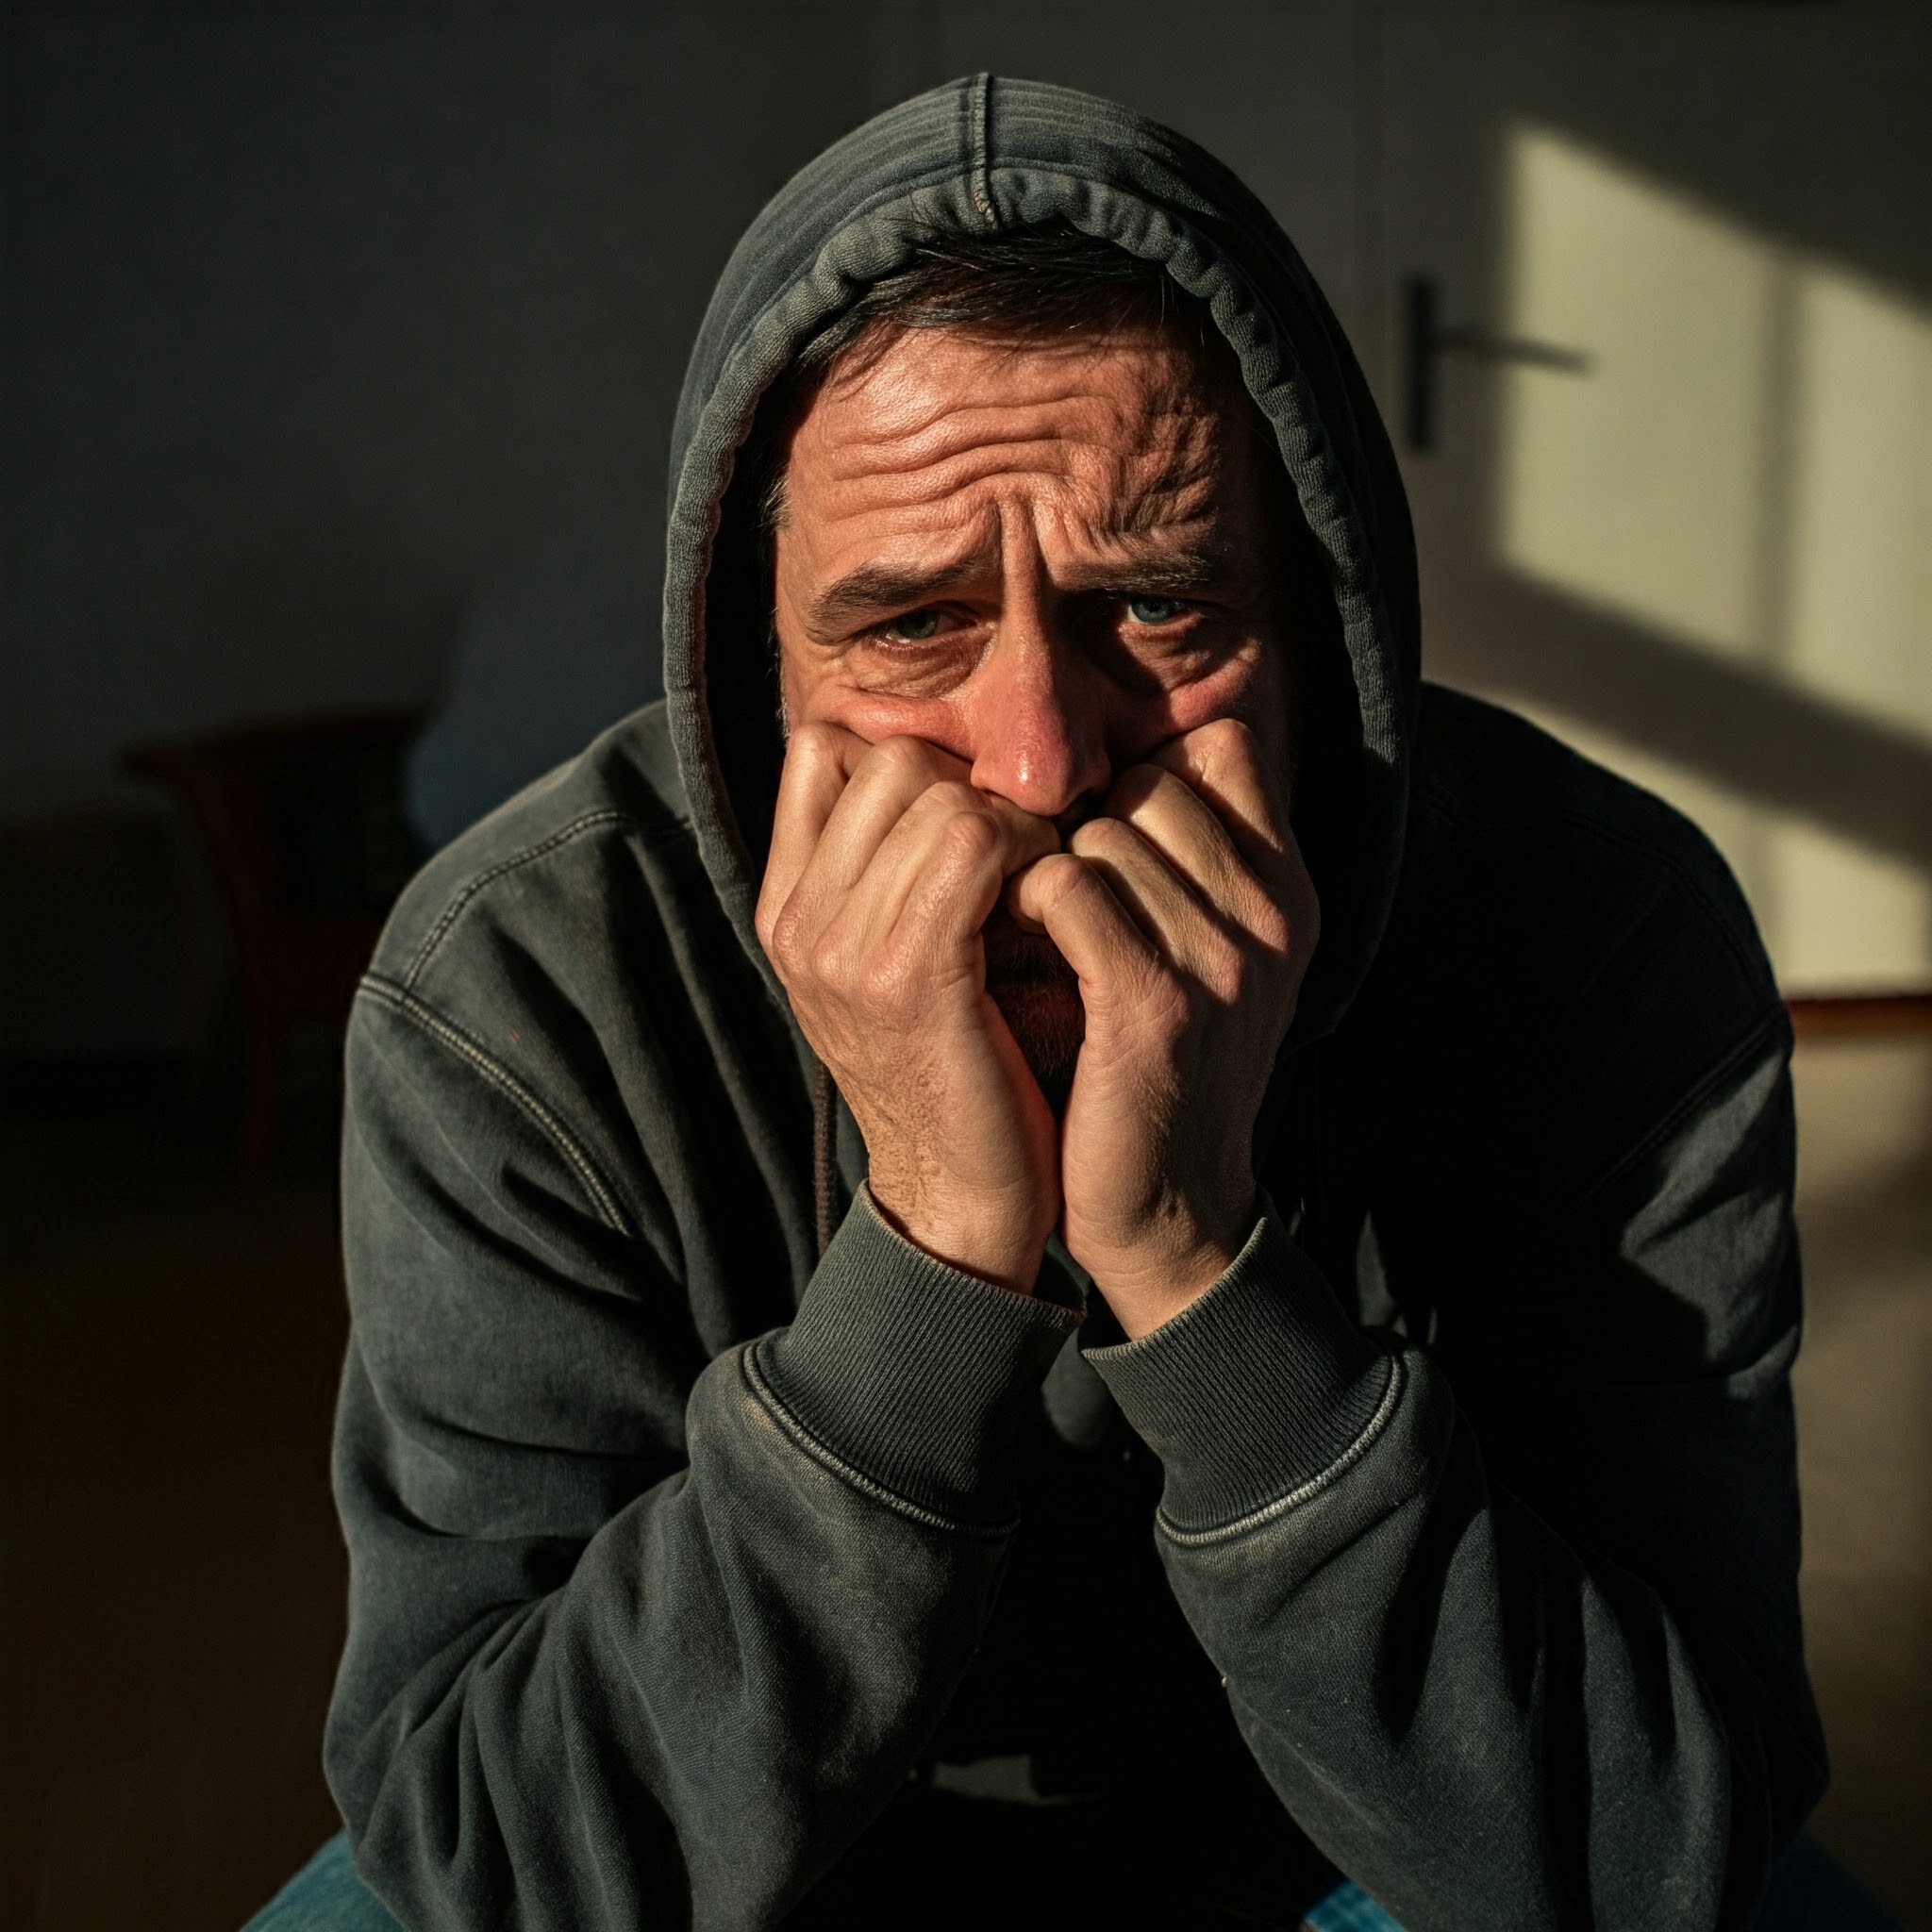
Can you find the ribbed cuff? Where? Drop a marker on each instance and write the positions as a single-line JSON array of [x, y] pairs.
[[1253, 1389], [912, 1373]]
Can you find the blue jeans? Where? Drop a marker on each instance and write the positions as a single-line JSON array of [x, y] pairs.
[[325, 1896], [1811, 1891]]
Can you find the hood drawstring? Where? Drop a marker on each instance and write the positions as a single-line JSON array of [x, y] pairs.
[[824, 1155]]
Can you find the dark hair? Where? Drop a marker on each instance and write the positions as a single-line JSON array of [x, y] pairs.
[[1034, 283]]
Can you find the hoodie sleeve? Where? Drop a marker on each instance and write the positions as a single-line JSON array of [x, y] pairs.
[[1584, 1709], [635, 1639]]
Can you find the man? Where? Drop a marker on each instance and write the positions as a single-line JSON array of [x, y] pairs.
[[920, 1347]]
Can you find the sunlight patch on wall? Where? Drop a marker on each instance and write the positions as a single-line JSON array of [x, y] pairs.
[[1834, 916], [1637, 484], [1860, 549], [1743, 466]]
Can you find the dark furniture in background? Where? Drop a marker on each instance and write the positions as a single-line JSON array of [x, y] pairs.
[[303, 826]]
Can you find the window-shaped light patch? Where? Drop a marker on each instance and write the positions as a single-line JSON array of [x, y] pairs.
[[1859, 580], [1745, 463], [1640, 484], [1743, 467]]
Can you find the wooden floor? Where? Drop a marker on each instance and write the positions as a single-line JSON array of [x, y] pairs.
[[1864, 1382], [169, 1341]]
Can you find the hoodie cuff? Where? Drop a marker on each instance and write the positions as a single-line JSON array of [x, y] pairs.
[[1254, 1390], [911, 1373]]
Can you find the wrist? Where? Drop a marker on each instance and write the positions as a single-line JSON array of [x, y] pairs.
[[1149, 1281], [986, 1241], [1144, 1296]]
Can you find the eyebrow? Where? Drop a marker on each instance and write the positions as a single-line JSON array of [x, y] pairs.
[[873, 589], [878, 589]]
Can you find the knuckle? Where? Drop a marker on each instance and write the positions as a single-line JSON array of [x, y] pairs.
[[971, 837], [1056, 877], [826, 962], [956, 795], [1226, 972], [1274, 930], [829, 957], [1063, 872], [1223, 738], [785, 940], [1103, 837], [815, 739], [884, 982], [903, 758]]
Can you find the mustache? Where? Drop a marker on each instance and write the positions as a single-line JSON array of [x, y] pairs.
[[1015, 957]]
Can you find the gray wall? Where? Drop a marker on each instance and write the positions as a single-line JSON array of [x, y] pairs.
[[322, 316]]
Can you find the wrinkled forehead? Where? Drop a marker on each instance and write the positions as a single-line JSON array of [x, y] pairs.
[[1137, 412]]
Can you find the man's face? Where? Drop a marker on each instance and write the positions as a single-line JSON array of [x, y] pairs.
[[1045, 558]]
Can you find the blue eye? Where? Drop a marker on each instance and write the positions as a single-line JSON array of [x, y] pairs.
[[916, 627], [1155, 610]]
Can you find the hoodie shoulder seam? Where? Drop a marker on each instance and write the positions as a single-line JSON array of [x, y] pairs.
[[404, 1004], [585, 822], [1745, 1054], [1652, 851]]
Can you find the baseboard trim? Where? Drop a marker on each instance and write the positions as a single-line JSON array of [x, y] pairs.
[[1816, 1016]]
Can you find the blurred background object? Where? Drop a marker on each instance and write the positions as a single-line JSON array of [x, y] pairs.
[[341, 351], [302, 826]]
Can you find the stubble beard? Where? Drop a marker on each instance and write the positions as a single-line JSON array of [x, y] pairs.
[[1039, 997]]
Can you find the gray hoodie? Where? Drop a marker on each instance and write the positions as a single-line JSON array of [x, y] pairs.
[[701, 1530]]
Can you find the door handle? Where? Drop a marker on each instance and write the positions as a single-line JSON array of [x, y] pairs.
[[1429, 337]]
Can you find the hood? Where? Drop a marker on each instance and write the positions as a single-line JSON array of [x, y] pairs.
[[978, 156]]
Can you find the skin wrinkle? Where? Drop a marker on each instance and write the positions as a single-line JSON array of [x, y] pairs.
[[1153, 469], [1122, 489], [1031, 593], [949, 449]]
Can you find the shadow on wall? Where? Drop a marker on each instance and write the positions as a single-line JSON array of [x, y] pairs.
[[1856, 775], [1705, 557]]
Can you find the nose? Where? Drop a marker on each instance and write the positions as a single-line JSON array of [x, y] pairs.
[[1038, 724]]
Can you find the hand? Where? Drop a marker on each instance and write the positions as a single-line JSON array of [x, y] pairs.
[[1189, 918], [884, 866]]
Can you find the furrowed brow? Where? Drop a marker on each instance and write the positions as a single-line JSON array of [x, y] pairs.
[[1180, 574], [879, 591], [876, 591]]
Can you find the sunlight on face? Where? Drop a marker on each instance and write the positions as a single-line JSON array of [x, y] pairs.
[[1045, 558]]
